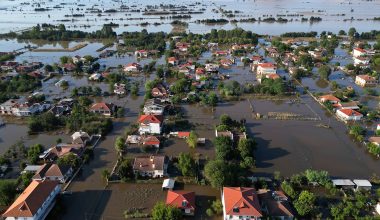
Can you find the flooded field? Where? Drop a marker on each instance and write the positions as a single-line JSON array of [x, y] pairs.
[[131, 16]]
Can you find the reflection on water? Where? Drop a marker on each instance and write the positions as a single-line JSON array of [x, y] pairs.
[[336, 15]]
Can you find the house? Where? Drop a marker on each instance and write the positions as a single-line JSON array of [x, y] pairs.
[[226, 62], [119, 88], [199, 73], [59, 110], [77, 59], [106, 109], [183, 200], [224, 134], [10, 65], [95, 76], [348, 115], [173, 61], [153, 107], [35, 202], [272, 76], [150, 141], [275, 204], [374, 140], [182, 47], [347, 105], [186, 68], [150, 166], [27, 109], [50, 171], [132, 67], [80, 137], [329, 98], [141, 53], [159, 91], [61, 150], [211, 67], [220, 53], [366, 80], [359, 52], [240, 203], [266, 68], [69, 67], [362, 62], [256, 59], [150, 124], [6, 107], [362, 184]]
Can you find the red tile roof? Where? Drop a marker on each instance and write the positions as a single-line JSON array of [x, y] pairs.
[[366, 77], [266, 65], [360, 50], [183, 134], [151, 140], [102, 106], [350, 112], [150, 119], [31, 199], [181, 199], [241, 201], [329, 97]]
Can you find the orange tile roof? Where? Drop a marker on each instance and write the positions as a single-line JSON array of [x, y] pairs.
[[183, 134], [27, 204], [181, 199], [242, 198], [102, 106], [360, 50], [150, 119], [329, 97], [350, 112], [151, 140], [366, 77], [266, 65]]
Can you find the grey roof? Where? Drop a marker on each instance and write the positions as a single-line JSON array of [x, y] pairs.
[[363, 183], [343, 182]]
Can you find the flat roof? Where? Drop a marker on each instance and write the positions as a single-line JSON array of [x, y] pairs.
[[343, 182], [168, 183], [359, 182]]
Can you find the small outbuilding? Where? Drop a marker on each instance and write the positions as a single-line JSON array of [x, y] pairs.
[[168, 184], [343, 183], [362, 184]]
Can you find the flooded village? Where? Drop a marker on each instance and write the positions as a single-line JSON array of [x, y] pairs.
[[224, 109]]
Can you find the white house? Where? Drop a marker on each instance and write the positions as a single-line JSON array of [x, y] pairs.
[[141, 53], [211, 67], [150, 124], [349, 115], [358, 52], [366, 80], [153, 107], [361, 61], [266, 68], [132, 67], [240, 203], [35, 202], [151, 166], [55, 172]]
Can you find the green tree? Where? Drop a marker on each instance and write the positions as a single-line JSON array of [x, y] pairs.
[[219, 173], [324, 72], [320, 177], [305, 203], [192, 140], [161, 211], [120, 145], [352, 32], [186, 164], [125, 169], [33, 153], [69, 159], [289, 189], [7, 192], [223, 147]]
